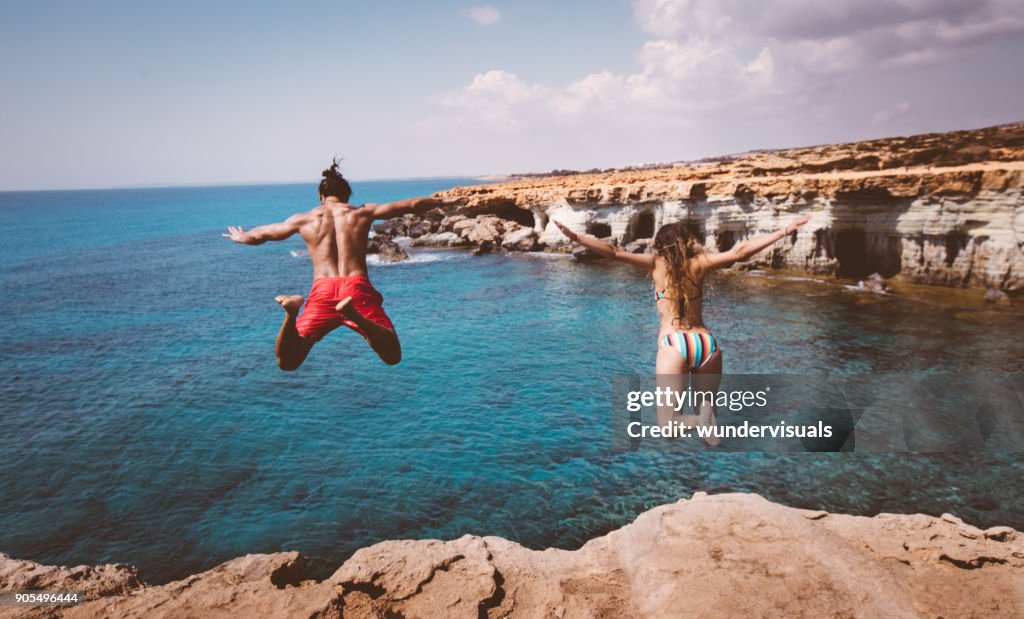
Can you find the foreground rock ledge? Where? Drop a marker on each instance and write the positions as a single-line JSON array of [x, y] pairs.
[[722, 555]]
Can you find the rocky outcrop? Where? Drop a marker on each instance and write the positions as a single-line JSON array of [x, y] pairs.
[[723, 555], [943, 209], [386, 249], [95, 582], [483, 232]]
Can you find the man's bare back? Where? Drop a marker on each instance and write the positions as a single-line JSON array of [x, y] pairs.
[[336, 234]]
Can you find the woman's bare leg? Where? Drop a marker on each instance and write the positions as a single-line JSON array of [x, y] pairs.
[[382, 340], [707, 378], [671, 369], [291, 348]]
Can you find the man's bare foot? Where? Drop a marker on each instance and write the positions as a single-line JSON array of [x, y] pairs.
[[291, 303], [348, 310]]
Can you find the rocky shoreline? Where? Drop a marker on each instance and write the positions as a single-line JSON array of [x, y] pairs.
[[720, 555], [940, 209]]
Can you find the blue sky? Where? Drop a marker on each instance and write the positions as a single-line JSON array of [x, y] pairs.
[[104, 94]]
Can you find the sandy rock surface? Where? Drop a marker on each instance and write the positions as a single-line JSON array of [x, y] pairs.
[[722, 555]]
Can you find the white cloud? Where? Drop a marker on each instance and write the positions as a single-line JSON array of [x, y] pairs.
[[602, 88], [706, 55], [485, 15], [492, 97], [838, 35], [670, 18], [676, 75], [502, 85]]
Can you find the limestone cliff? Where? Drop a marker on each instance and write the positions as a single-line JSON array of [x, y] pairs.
[[724, 555], [942, 209]]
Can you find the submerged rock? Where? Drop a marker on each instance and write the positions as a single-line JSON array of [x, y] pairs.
[[874, 283], [996, 296], [584, 255], [484, 247], [639, 246]]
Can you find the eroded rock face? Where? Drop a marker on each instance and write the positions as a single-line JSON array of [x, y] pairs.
[[519, 238], [943, 209], [723, 555]]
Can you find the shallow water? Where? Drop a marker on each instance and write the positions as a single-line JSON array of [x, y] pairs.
[[144, 420]]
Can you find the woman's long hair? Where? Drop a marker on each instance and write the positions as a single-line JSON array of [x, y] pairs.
[[677, 246]]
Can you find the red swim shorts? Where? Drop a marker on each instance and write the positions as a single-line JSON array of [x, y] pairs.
[[318, 317]]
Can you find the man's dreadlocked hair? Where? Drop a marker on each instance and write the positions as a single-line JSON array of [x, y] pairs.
[[677, 246], [334, 184]]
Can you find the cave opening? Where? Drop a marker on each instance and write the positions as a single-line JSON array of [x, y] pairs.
[[695, 231], [725, 240], [852, 254], [821, 245], [599, 229], [643, 226], [511, 212], [956, 241]]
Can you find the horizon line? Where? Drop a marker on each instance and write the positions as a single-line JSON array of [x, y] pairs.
[[496, 177], [188, 185]]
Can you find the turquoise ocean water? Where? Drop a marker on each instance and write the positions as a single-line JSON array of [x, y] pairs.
[[143, 419]]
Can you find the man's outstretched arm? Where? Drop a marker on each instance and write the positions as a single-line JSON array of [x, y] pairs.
[[401, 207], [270, 232]]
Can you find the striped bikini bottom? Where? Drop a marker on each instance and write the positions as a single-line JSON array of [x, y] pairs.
[[696, 348]]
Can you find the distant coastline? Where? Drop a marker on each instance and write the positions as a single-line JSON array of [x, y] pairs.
[[941, 209]]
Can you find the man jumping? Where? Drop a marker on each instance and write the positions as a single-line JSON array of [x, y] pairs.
[[336, 234]]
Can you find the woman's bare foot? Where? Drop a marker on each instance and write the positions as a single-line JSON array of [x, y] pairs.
[[291, 303], [348, 310], [709, 418]]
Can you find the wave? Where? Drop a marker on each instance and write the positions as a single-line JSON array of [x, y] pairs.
[[542, 255], [415, 257], [789, 278], [859, 287], [420, 257]]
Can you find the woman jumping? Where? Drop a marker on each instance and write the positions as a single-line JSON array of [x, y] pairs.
[[678, 267]]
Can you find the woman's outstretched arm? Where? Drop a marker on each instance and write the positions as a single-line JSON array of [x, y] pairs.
[[644, 261], [745, 249]]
